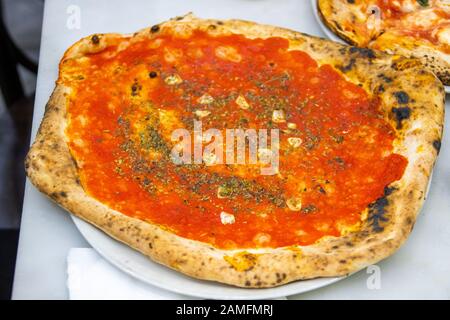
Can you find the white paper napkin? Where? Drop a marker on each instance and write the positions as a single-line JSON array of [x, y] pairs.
[[90, 277]]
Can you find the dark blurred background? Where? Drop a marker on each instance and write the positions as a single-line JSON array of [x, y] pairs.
[[20, 35]]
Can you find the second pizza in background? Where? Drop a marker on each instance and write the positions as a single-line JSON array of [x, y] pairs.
[[412, 28]]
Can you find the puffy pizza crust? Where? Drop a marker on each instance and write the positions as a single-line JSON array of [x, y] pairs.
[[417, 113], [337, 13]]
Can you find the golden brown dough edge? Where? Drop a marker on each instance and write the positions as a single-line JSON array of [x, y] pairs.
[[389, 220], [334, 26], [429, 57]]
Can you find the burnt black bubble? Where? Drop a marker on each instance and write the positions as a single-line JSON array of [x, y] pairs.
[[401, 114], [437, 145], [402, 97], [154, 29]]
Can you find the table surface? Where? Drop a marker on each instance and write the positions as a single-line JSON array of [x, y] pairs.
[[418, 270]]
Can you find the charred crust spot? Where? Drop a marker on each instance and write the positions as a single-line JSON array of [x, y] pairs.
[[351, 1], [212, 27], [219, 23], [95, 39], [437, 145], [401, 114], [409, 221], [342, 261], [154, 28], [335, 247], [280, 276], [388, 190], [377, 211], [152, 74], [338, 26], [179, 18], [248, 283], [63, 194], [349, 66], [402, 97], [381, 88], [385, 78], [363, 52]]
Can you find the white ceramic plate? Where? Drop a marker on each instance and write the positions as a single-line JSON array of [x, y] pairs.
[[332, 36], [142, 268]]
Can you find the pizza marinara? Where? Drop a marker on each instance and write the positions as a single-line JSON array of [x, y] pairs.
[[413, 28], [359, 133]]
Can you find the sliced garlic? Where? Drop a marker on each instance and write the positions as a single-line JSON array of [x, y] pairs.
[[205, 99], [278, 116], [242, 102], [291, 125], [294, 204], [202, 113], [295, 142], [227, 218], [173, 80]]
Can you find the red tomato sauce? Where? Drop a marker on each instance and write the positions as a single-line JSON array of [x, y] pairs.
[[343, 164]]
